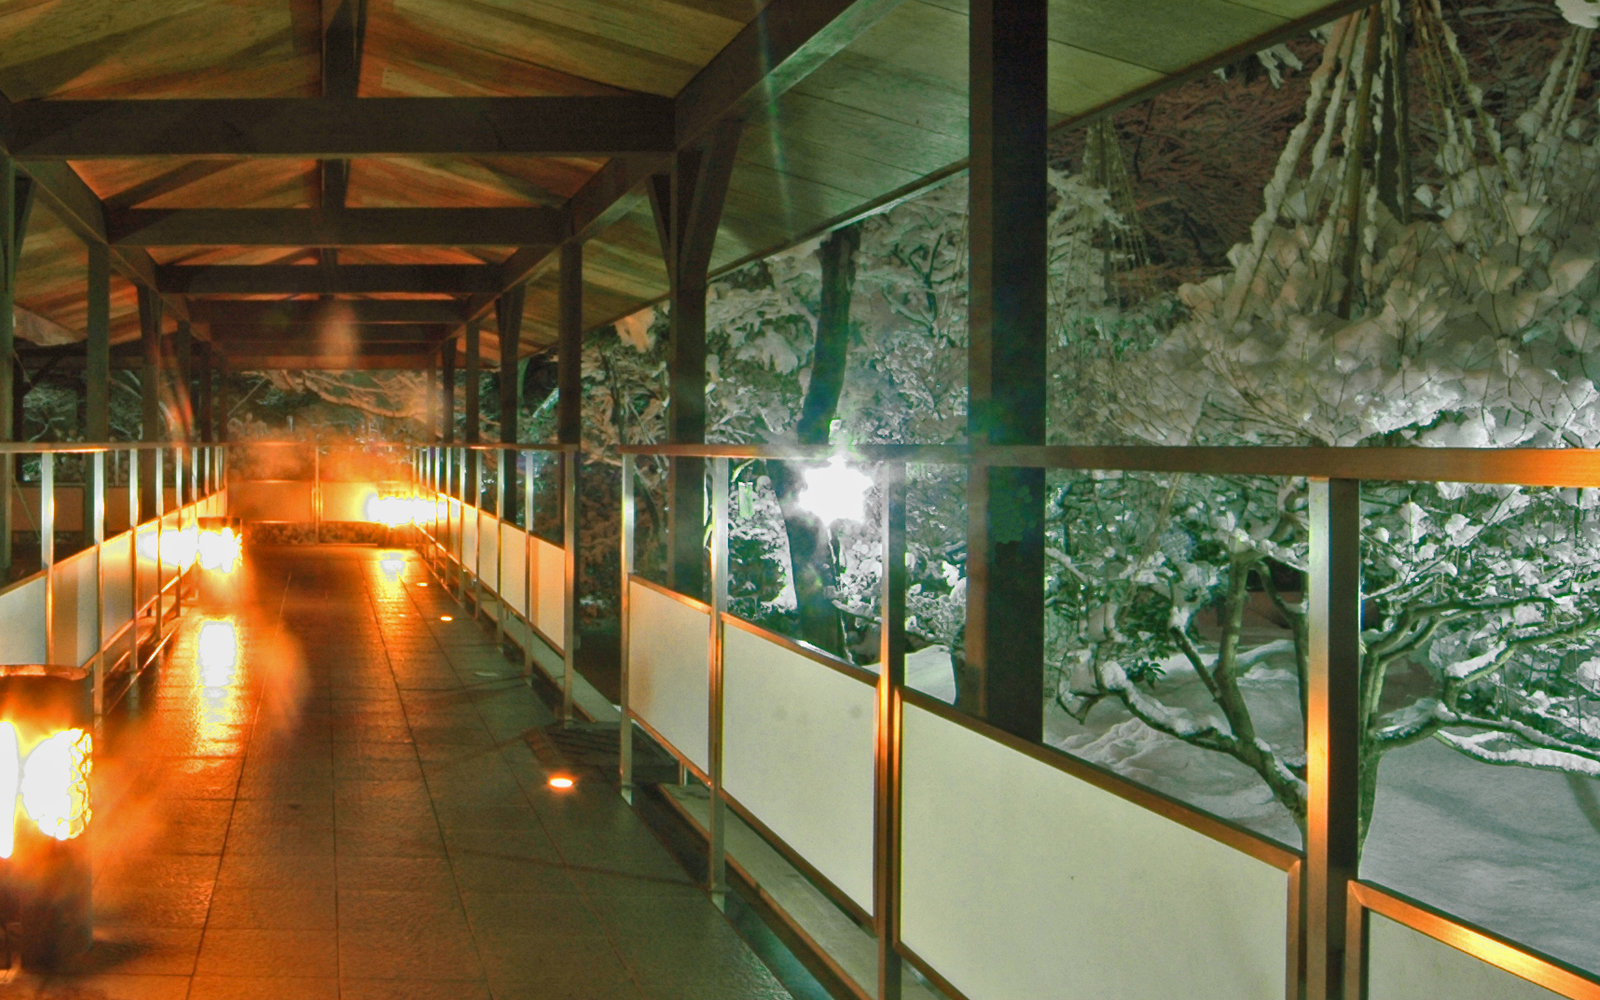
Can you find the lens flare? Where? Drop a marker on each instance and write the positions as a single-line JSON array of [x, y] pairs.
[[217, 652], [55, 783], [397, 509], [392, 565], [835, 492]]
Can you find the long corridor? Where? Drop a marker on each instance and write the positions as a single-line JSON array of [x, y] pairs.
[[326, 792]]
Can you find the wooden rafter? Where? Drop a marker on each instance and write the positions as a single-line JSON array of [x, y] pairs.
[[346, 279], [330, 127], [293, 227], [364, 312]]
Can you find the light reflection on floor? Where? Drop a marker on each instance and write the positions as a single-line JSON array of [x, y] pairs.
[[220, 707]]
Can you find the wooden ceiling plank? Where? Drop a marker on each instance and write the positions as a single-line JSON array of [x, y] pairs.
[[266, 339], [346, 279], [333, 128], [71, 200], [451, 227], [361, 312]]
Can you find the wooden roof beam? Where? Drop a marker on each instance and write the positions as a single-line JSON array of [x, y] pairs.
[[345, 279], [298, 227], [360, 312], [785, 43], [339, 127], [264, 337]]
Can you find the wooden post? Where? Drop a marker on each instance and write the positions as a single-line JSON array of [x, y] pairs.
[[688, 209], [886, 784], [182, 392], [1333, 730], [1003, 675], [473, 407], [150, 390], [97, 344], [203, 394], [447, 403], [508, 319], [16, 198]]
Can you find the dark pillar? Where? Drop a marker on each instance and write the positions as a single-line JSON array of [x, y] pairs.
[[1003, 675], [97, 345], [688, 209], [508, 323], [150, 389], [473, 409], [1333, 732], [569, 372], [203, 391], [447, 397], [183, 371], [16, 198]]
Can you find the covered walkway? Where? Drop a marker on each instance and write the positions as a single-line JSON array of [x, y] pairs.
[[348, 808]]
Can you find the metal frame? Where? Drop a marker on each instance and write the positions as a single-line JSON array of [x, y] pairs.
[[447, 556], [106, 662], [1326, 906]]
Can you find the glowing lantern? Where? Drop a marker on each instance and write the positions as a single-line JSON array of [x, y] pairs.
[[220, 546], [835, 492], [46, 758]]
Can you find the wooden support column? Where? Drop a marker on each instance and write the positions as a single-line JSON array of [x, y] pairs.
[[688, 209], [1333, 731], [508, 321], [150, 392], [447, 400], [473, 407], [1002, 677], [203, 393], [16, 198], [183, 371], [569, 372], [97, 345]]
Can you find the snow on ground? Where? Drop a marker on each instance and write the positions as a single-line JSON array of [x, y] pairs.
[[1512, 849]]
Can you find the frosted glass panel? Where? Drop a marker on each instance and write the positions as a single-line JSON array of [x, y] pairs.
[[668, 669], [1403, 965], [146, 535], [798, 754], [74, 609], [21, 612], [488, 563], [1022, 882], [514, 567], [469, 535], [551, 584], [118, 586]]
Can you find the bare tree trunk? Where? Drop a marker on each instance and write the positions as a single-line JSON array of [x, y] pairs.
[[810, 541]]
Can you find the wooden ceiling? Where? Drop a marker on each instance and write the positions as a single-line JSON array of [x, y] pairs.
[[379, 152]]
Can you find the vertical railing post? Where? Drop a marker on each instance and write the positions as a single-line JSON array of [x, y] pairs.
[[177, 496], [47, 548], [718, 825], [1333, 736], [501, 495], [133, 560], [891, 680], [525, 459], [625, 750], [161, 513], [460, 571], [97, 524], [569, 584], [475, 460]]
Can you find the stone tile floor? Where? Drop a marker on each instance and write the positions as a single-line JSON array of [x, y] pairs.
[[348, 810]]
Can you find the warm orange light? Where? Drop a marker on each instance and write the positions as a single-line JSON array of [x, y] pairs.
[[10, 774], [217, 651], [423, 584], [55, 783], [219, 550], [446, 618], [562, 782]]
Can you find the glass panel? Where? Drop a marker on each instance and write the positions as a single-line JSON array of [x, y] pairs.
[[1176, 637], [1481, 728], [546, 470], [806, 554], [936, 576], [650, 518], [669, 669], [1005, 856], [1403, 964]]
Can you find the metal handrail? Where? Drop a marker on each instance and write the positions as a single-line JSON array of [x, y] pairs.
[[1570, 467]]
